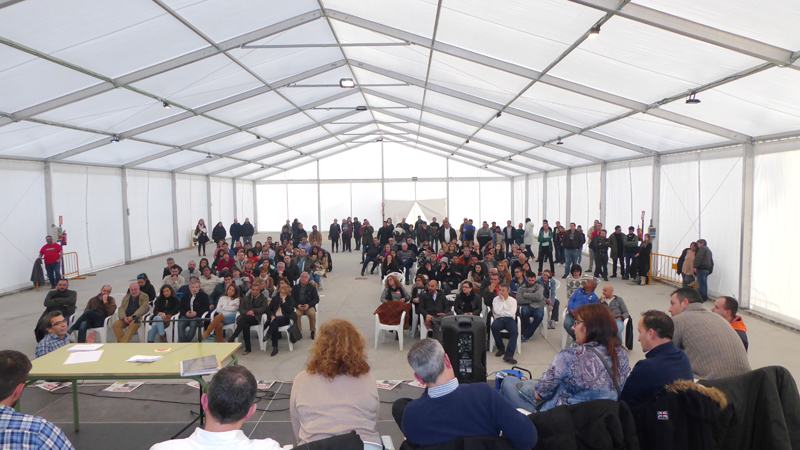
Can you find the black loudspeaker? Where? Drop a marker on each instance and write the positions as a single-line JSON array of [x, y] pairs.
[[464, 341]]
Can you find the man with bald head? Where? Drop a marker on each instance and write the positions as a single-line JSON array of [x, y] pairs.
[[134, 305], [97, 309], [617, 306], [582, 296]]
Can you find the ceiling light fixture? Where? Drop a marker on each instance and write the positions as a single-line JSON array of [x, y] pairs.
[[114, 139], [361, 108], [347, 83], [379, 140], [165, 104], [559, 142], [209, 156], [594, 32], [499, 113], [692, 100], [258, 137], [467, 141]]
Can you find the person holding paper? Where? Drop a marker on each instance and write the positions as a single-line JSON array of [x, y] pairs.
[[134, 305], [23, 431]]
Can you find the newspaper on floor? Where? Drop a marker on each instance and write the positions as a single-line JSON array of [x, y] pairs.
[[123, 387], [388, 384], [416, 383], [264, 385], [51, 386], [193, 384]]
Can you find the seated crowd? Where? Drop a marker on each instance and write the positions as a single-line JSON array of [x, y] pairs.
[[277, 282]]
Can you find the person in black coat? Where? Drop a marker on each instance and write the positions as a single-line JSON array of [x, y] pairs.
[[333, 235], [193, 305], [432, 308], [279, 313], [219, 233], [299, 234], [247, 231], [306, 299], [145, 286], [467, 303], [236, 231], [165, 307]]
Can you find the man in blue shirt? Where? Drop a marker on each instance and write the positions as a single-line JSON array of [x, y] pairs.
[[56, 325], [663, 365], [21, 431], [448, 411], [580, 297]]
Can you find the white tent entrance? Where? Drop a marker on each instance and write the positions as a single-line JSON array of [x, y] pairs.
[[398, 209]]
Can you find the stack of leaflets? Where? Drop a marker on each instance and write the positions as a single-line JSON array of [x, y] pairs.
[[207, 365], [388, 384], [123, 387], [84, 347], [51, 386], [143, 358], [265, 385]]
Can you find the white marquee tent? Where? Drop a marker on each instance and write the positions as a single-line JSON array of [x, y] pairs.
[[132, 119]]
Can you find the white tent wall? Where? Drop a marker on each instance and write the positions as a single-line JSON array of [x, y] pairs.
[[557, 199], [495, 202], [464, 199], [335, 203], [192, 195], [23, 221], [701, 197], [272, 207], [777, 194], [366, 199], [629, 191], [585, 196], [90, 201], [303, 203], [222, 207], [150, 218], [244, 202], [535, 199], [518, 209]]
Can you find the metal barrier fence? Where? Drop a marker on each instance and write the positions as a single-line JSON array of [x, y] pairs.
[[665, 268], [70, 268]]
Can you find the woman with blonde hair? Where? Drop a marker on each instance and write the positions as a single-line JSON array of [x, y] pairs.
[[502, 270], [336, 393]]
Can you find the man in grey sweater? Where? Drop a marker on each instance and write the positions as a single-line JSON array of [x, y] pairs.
[[407, 258], [530, 299], [712, 345]]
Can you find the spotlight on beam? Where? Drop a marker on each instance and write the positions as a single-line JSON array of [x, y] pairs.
[[692, 100], [593, 33], [114, 139], [347, 83], [165, 104]]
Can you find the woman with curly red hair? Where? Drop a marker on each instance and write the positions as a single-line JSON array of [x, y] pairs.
[[336, 393]]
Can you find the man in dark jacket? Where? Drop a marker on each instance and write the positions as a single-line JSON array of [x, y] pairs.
[[617, 250], [97, 309], [333, 235], [432, 308], [299, 234], [703, 266], [367, 235], [664, 363], [192, 306], [305, 298], [247, 232], [236, 231], [447, 234], [573, 242], [371, 253], [630, 243], [61, 299], [384, 233], [600, 245], [356, 226]]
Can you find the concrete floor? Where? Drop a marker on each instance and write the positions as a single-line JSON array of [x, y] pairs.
[[355, 299]]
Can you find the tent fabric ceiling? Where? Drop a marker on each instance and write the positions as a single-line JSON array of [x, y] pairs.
[[517, 88]]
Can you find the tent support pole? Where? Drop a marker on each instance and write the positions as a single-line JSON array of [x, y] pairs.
[[746, 244]]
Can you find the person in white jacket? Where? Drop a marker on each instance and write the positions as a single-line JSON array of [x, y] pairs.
[[531, 235], [227, 307]]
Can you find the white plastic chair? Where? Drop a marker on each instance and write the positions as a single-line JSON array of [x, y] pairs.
[[102, 332], [397, 274], [519, 335], [285, 330], [380, 328]]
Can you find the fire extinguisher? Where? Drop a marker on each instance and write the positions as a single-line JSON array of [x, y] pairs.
[[63, 238]]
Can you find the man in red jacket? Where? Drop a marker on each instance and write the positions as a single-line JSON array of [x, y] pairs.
[[52, 253]]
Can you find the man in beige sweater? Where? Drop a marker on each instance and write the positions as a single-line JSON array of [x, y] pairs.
[[712, 345]]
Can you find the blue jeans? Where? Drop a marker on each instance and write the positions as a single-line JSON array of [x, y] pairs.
[[509, 324], [571, 257], [53, 272], [569, 321], [702, 283], [621, 328], [527, 313], [89, 319], [509, 391], [315, 278], [407, 265], [183, 336], [559, 254], [157, 327], [626, 271]]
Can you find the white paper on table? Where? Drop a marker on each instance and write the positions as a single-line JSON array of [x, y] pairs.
[[143, 359], [84, 347], [84, 357]]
